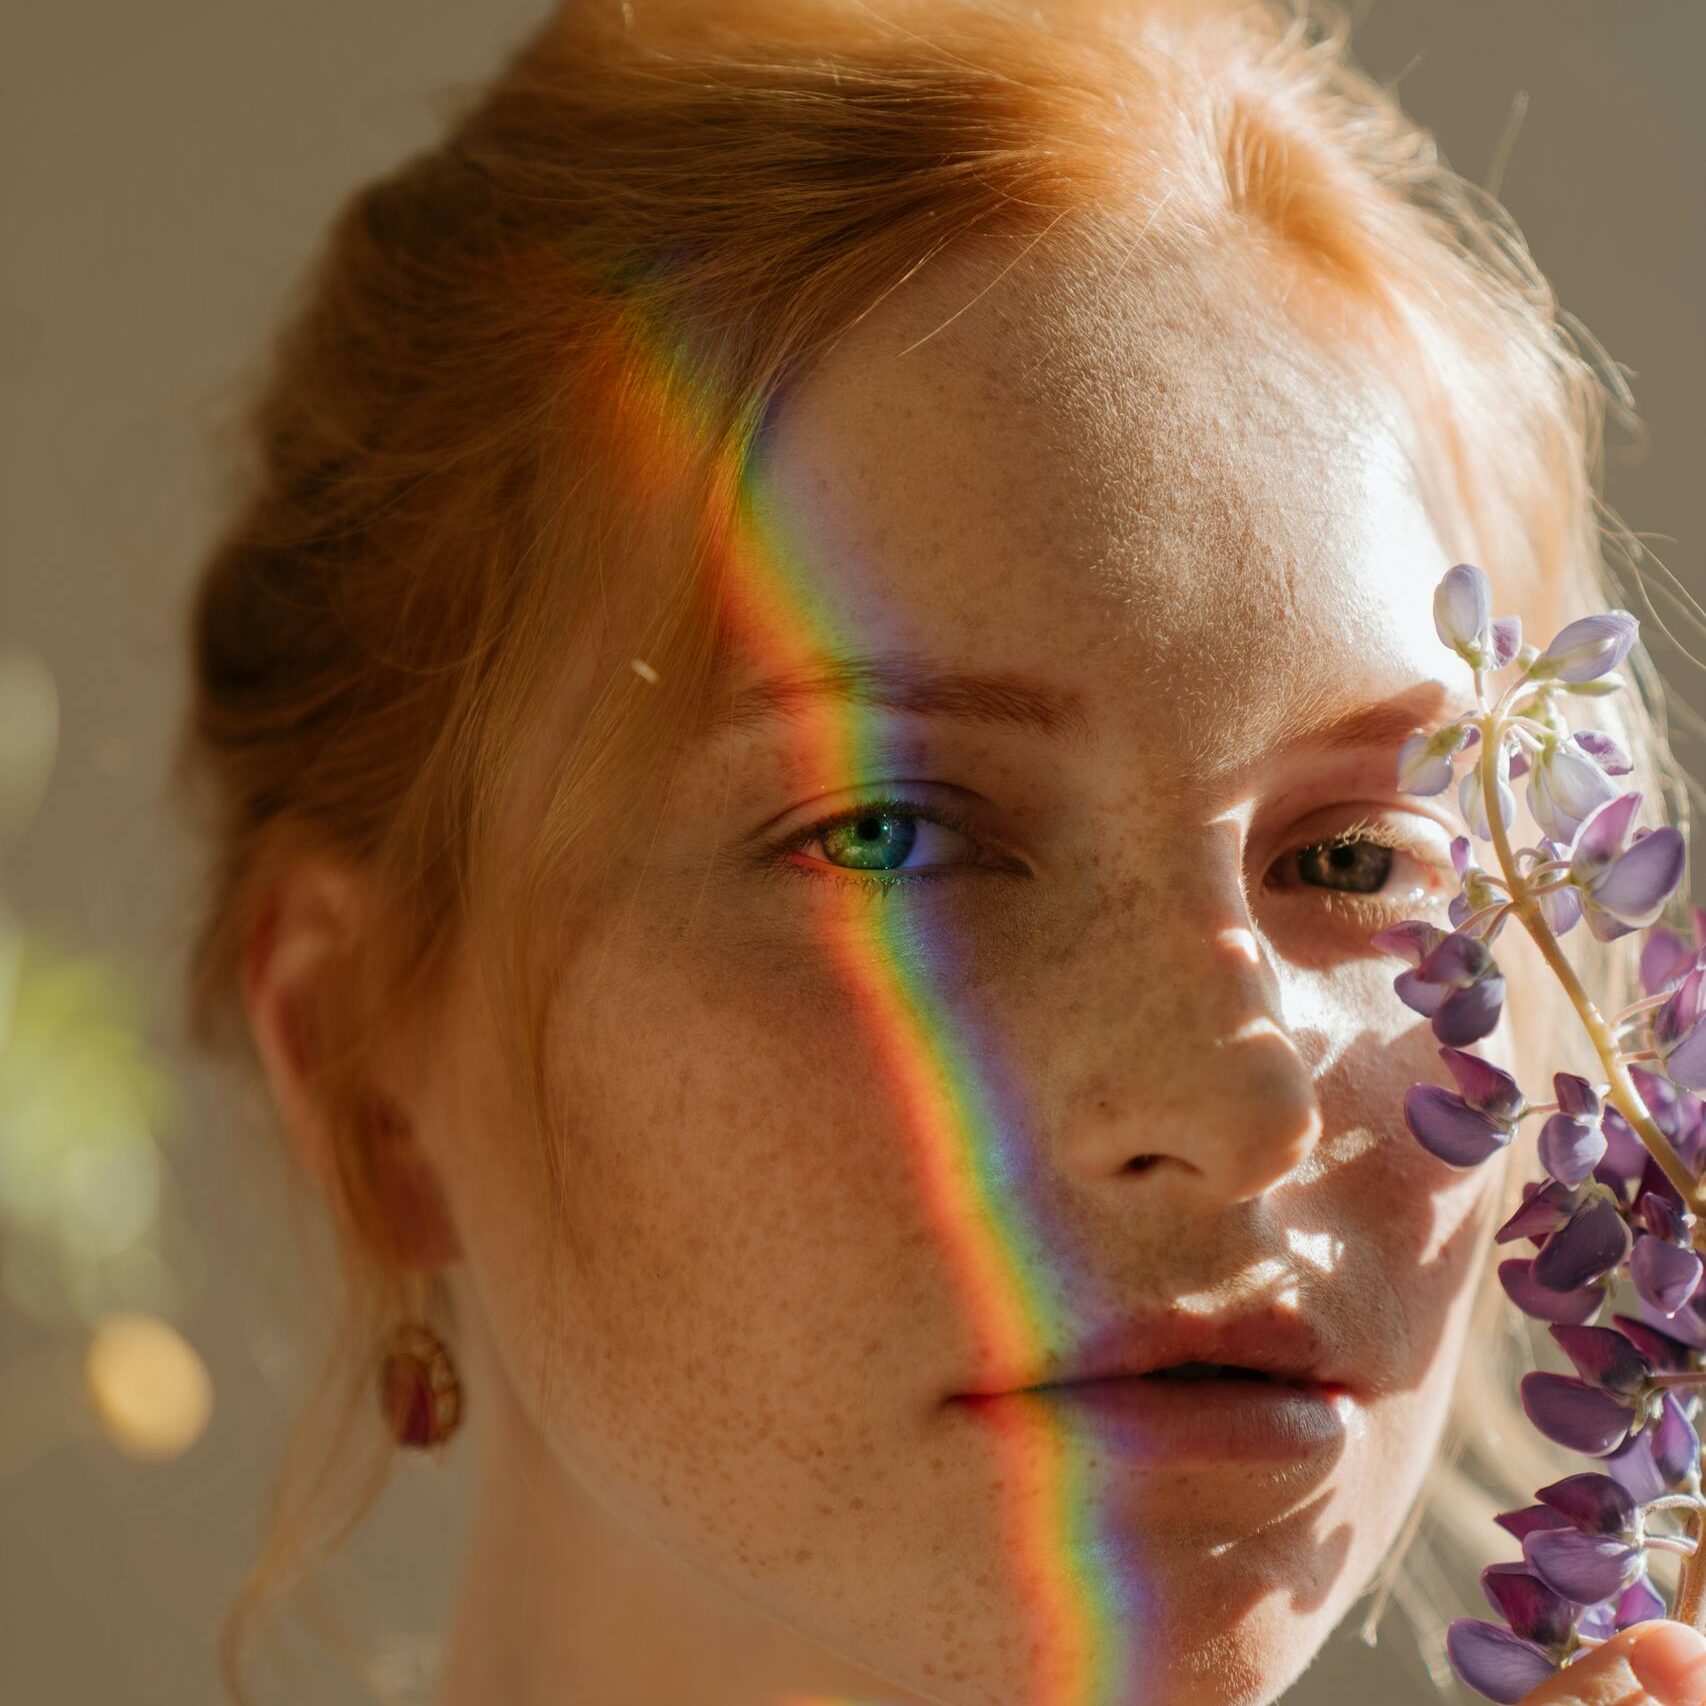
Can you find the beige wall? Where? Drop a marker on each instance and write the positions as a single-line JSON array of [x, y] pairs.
[[166, 164]]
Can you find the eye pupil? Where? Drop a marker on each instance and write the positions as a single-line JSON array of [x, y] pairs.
[[1353, 867], [879, 841]]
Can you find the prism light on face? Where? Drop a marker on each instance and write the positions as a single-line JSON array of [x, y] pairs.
[[991, 1017]]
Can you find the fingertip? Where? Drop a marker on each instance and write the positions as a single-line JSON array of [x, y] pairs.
[[1669, 1661]]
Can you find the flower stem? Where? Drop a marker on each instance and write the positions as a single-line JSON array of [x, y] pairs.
[[1621, 1091]]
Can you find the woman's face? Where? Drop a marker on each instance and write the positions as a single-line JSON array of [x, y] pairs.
[[984, 1003]]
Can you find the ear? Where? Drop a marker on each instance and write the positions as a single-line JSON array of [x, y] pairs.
[[307, 936]]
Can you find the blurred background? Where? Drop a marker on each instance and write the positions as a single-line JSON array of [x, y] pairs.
[[165, 169]]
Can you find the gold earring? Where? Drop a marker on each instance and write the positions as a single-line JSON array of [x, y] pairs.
[[419, 1392]]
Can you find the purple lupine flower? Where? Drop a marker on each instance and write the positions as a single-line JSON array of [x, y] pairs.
[[1586, 648], [1424, 760], [1472, 799], [1624, 880], [1496, 1663], [1465, 1129], [1606, 1210], [1592, 1242], [1571, 1141], [1665, 1274], [1566, 786], [1541, 1302], [1533, 1610], [1572, 1413], [1679, 1032], [1456, 985]]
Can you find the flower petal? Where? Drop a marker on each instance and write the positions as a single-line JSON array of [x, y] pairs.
[[1532, 1609], [1676, 1445], [1574, 1414], [1632, 1467], [1582, 1567], [1636, 885], [1544, 1209], [1595, 1241], [1575, 1096], [1524, 1522], [1601, 837], [1494, 1662], [1664, 1274], [1484, 1085], [1603, 750], [1412, 940], [1603, 1358], [1570, 1149], [1445, 1125], [1595, 1504], [1665, 1354], [1665, 958], [1463, 610], [1583, 649], [1541, 1302], [1467, 1015], [1639, 1603]]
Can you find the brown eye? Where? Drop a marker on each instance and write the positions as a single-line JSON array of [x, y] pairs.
[[1351, 867]]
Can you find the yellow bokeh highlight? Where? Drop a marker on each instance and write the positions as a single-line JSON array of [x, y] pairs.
[[149, 1387]]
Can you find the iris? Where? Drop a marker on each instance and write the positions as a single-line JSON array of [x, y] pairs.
[[877, 841]]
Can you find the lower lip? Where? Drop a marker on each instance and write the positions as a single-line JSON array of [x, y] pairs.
[[1195, 1421]]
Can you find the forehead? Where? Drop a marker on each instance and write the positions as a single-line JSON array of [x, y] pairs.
[[1157, 483]]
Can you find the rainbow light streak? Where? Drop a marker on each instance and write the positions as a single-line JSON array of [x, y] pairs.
[[969, 1163]]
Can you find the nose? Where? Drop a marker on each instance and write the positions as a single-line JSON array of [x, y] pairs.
[[1203, 1082]]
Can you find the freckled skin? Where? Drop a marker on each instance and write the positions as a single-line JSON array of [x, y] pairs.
[[720, 1461]]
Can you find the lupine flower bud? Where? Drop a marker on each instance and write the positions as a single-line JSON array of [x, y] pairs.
[[1585, 648], [1566, 786]]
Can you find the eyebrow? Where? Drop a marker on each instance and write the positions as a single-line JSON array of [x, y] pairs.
[[1385, 723], [904, 682]]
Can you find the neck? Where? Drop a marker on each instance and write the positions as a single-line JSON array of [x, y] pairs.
[[563, 1604]]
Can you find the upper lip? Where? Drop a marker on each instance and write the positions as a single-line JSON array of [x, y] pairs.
[[1277, 1342]]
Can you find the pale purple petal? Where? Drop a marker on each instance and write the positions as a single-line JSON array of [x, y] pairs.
[[1574, 1414], [1532, 1609], [1412, 940], [1632, 1466], [1665, 957], [1588, 647], [1565, 789], [1595, 1504], [1422, 767], [1507, 639], [1601, 837], [1540, 1302], [1625, 1151], [1595, 1241], [1419, 995], [1686, 1062], [1676, 1446], [1570, 1149], [1636, 885], [1446, 1126], [1463, 610], [1604, 751], [1664, 1275], [1640, 1602], [1494, 1662], [1582, 1567], [1561, 908]]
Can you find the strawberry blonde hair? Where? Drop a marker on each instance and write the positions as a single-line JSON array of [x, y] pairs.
[[518, 384]]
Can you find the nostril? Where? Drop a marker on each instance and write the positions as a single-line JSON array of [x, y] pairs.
[[1140, 1163]]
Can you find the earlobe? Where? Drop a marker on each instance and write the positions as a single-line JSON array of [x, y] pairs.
[[299, 943]]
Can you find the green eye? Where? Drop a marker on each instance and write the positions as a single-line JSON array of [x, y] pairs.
[[878, 841], [1351, 867]]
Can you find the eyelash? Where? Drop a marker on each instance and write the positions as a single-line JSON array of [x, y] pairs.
[[879, 884]]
